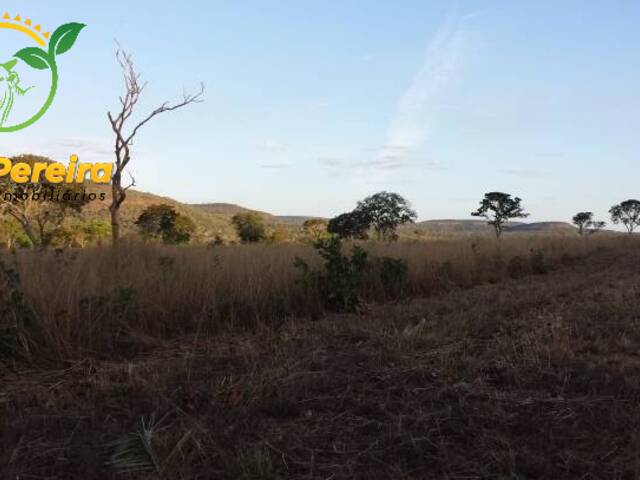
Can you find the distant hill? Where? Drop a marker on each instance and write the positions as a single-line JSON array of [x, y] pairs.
[[215, 218], [211, 218], [561, 228], [291, 220], [209, 223], [231, 209], [479, 227]]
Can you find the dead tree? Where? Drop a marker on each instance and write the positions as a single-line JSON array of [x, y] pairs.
[[125, 136]]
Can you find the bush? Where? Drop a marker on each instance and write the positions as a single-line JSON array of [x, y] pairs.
[[340, 281], [250, 227], [517, 267], [15, 314], [394, 275], [538, 262]]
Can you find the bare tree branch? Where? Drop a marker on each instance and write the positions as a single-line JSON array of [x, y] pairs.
[[123, 141]]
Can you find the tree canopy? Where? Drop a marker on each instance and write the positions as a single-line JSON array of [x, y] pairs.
[[627, 213], [162, 221], [586, 223], [582, 220], [498, 208], [250, 227], [385, 212], [351, 225]]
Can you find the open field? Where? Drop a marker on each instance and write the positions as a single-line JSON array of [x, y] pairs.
[[215, 363]]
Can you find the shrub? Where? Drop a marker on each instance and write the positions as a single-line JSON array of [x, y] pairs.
[[517, 267], [250, 227], [15, 314], [538, 262], [342, 277], [394, 275], [162, 221]]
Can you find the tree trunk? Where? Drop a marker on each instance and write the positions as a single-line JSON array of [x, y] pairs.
[[117, 197], [28, 230], [115, 223]]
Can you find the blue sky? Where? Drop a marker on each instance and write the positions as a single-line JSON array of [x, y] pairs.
[[312, 105]]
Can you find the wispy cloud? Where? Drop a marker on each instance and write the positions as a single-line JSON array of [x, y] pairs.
[[88, 149], [417, 108], [415, 112], [387, 162]]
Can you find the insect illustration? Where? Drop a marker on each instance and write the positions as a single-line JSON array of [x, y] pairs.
[[9, 88]]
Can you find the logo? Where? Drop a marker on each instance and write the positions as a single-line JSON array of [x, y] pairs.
[[22, 105]]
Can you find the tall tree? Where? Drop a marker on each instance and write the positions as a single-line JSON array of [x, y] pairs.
[[315, 227], [498, 208], [350, 225], [162, 221], [583, 220], [627, 213], [125, 136], [250, 226], [386, 211], [586, 223]]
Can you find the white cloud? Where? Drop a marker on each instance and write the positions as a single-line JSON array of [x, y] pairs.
[[88, 149], [417, 108]]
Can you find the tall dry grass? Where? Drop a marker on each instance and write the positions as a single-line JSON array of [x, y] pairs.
[[101, 301]]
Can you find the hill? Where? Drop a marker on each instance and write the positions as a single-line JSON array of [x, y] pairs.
[[480, 227], [211, 218], [230, 209], [209, 223], [215, 218]]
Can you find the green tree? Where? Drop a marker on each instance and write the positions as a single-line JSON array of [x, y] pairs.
[[627, 213], [163, 222], [12, 234], [40, 208], [350, 225], [586, 224], [250, 227], [278, 234], [386, 211], [583, 221], [181, 231], [596, 226], [498, 208], [315, 227], [97, 230]]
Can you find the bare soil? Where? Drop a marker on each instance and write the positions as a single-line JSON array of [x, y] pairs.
[[534, 378]]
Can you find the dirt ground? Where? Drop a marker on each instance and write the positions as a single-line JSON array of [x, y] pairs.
[[535, 378]]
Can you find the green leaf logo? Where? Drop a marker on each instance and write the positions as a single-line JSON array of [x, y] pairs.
[[34, 57], [64, 37], [11, 89]]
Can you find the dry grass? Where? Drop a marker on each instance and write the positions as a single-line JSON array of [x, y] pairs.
[[98, 302], [485, 377]]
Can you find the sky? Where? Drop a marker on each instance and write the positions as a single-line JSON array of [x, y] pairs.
[[312, 105]]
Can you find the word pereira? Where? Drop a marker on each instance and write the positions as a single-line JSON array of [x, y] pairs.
[[22, 172]]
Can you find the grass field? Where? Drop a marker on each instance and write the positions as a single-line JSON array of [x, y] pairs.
[[184, 363]]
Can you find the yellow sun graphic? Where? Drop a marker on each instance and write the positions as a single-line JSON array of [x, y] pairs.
[[26, 27]]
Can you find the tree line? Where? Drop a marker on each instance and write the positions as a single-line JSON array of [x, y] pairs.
[[27, 222]]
